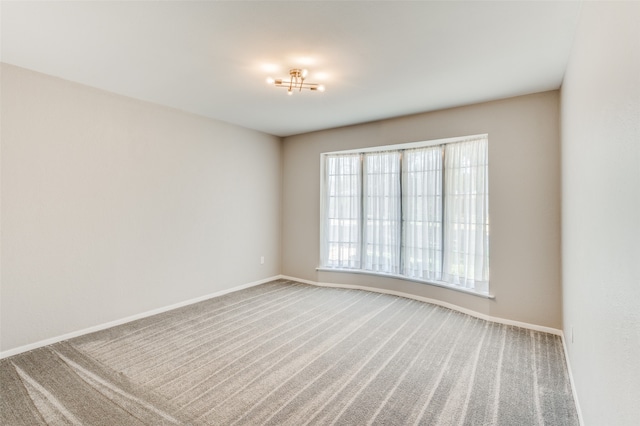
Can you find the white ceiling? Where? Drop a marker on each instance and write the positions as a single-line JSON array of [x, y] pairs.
[[380, 59]]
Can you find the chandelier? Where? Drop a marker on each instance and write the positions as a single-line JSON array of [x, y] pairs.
[[296, 82]]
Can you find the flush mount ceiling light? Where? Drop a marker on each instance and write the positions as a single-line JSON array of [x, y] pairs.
[[296, 82]]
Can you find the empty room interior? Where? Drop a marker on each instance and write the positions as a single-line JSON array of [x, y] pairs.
[[306, 212]]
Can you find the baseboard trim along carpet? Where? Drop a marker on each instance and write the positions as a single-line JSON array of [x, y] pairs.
[[572, 382], [78, 333], [473, 313], [289, 353]]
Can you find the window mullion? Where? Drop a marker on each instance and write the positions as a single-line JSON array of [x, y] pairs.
[[401, 221], [362, 212], [442, 207]]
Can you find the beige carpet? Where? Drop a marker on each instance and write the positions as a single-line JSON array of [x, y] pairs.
[[289, 353]]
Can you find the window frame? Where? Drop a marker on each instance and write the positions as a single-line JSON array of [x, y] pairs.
[[395, 147]]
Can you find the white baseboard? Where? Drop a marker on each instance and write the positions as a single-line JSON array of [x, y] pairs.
[[121, 321], [435, 302], [82, 332], [573, 383]]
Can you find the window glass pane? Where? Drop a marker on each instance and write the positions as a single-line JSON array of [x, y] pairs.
[[422, 213], [341, 239], [382, 212], [466, 223]]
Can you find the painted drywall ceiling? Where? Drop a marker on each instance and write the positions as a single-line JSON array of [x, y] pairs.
[[376, 59]]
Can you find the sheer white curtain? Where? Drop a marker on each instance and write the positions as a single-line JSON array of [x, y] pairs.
[[466, 221], [422, 213], [342, 209], [382, 217]]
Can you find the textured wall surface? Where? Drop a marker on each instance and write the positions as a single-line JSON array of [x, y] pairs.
[[112, 207], [601, 212]]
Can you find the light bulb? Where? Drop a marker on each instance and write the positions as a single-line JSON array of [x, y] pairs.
[[304, 73], [289, 92], [321, 88], [270, 80]]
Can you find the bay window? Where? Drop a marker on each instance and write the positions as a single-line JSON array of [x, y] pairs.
[[416, 211]]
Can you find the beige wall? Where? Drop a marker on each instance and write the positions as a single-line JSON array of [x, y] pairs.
[[112, 207], [601, 212], [524, 179]]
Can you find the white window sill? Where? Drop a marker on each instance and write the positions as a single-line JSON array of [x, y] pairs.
[[402, 277]]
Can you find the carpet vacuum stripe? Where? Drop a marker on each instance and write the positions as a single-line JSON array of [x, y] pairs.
[[176, 342], [199, 355]]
